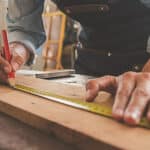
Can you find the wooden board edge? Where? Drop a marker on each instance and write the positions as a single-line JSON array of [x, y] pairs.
[[67, 135]]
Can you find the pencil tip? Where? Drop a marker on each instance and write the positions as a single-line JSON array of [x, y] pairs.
[[11, 82]]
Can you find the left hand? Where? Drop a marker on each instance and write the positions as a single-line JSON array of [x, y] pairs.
[[20, 55], [132, 94]]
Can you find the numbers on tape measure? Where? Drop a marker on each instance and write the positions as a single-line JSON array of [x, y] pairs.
[[91, 107]]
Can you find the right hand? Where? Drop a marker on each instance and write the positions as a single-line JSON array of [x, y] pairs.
[[20, 55], [131, 91]]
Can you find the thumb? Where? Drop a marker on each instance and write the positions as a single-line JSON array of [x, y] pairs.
[[17, 62]]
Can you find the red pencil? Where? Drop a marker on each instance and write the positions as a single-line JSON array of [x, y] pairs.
[[7, 55]]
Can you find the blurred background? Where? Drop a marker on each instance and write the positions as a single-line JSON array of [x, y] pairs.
[[58, 51]]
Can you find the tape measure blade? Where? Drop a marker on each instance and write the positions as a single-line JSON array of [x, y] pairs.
[[90, 107]]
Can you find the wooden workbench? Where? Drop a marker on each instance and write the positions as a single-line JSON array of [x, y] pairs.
[[15, 135], [77, 127]]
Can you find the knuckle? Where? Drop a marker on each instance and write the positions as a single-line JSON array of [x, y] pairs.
[[123, 93], [91, 83], [141, 92], [113, 80], [108, 77], [145, 76], [19, 60], [129, 74]]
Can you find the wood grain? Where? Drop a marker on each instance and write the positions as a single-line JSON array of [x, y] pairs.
[[84, 129]]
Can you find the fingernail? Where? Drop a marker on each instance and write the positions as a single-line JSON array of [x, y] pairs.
[[135, 115], [132, 118]]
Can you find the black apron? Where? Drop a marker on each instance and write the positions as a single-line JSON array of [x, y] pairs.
[[114, 36]]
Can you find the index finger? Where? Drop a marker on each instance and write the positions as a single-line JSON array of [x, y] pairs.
[[106, 83]]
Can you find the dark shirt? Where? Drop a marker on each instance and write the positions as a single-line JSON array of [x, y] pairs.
[[113, 27]]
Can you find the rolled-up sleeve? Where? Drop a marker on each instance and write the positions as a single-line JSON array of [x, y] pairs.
[[25, 24]]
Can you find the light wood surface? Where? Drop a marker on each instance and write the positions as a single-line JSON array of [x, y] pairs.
[[15, 135], [84, 129]]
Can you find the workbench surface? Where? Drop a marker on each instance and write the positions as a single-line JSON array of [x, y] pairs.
[[15, 135], [80, 128]]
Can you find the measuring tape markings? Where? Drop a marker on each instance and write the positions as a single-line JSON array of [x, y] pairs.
[[91, 107]]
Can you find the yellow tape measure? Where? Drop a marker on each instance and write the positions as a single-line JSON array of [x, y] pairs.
[[91, 107]]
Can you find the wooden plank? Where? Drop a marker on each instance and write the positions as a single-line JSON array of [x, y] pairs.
[[84, 129], [16, 135]]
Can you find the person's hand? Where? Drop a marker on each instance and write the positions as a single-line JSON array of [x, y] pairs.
[[131, 91], [19, 56]]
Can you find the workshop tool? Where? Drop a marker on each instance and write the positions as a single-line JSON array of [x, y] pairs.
[[47, 74], [7, 55], [91, 107], [4, 46], [55, 74]]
